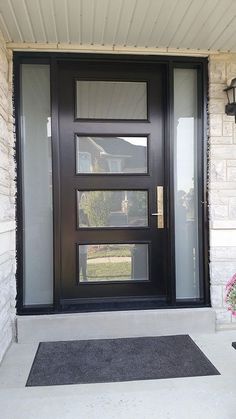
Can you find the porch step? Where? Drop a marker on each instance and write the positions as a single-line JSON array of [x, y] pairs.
[[114, 324]]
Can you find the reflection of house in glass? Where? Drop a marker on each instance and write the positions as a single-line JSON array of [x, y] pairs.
[[111, 154]]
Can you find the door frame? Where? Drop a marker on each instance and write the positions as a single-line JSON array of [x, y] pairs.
[[150, 127], [171, 62]]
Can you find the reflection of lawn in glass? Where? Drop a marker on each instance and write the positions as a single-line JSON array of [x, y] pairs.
[[118, 252], [107, 271]]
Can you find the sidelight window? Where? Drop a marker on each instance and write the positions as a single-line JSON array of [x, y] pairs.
[[36, 184], [186, 183]]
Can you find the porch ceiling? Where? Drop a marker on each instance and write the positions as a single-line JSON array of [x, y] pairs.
[[121, 24]]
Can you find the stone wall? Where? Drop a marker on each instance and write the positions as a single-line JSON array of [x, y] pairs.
[[7, 203], [222, 185]]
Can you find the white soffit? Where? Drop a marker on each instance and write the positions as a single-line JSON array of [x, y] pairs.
[[132, 25]]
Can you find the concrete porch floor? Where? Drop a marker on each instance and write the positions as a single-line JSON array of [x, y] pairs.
[[211, 397]]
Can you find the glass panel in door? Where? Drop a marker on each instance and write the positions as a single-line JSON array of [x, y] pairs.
[[123, 154], [112, 208], [113, 262], [111, 99]]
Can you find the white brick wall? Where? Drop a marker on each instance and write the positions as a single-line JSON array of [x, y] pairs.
[[222, 185], [7, 203]]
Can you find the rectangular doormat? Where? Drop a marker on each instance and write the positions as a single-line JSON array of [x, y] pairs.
[[112, 360]]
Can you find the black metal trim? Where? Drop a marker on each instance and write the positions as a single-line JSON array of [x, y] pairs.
[[170, 183], [205, 178], [118, 305], [32, 56], [19, 191], [56, 184], [172, 61]]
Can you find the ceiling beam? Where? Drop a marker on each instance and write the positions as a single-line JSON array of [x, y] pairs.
[[107, 49]]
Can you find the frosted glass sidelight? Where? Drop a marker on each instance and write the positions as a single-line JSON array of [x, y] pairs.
[[186, 184], [37, 184]]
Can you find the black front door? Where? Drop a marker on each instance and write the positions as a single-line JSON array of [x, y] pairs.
[[113, 209]]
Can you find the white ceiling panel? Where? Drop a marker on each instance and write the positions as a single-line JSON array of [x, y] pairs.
[[174, 22], [36, 22], [49, 19], [22, 20], [137, 20], [87, 14], [111, 22], [60, 8], [212, 24], [150, 20], [125, 20], [100, 14], [168, 7], [200, 18], [221, 26], [226, 36], [10, 20], [187, 24], [74, 21]]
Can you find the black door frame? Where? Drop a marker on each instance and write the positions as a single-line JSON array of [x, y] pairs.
[[171, 62]]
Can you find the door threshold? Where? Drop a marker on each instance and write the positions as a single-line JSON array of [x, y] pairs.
[[112, 304]]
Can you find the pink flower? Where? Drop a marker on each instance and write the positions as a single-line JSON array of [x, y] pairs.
[[231, 282], [230, 295]]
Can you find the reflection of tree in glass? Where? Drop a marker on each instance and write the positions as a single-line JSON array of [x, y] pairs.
[[186, 202], [97, 207], [97, 168], [137, 203], [190, 201], [181, 208]]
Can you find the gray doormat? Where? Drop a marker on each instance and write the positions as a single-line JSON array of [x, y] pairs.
[[110, 360]]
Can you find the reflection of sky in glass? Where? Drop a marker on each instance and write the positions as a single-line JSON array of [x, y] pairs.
[[142, 141], [185, 154]]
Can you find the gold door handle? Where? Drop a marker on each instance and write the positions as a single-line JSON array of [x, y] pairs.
[[160, 207]]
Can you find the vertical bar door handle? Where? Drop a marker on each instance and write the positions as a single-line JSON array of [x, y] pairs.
[[160, 207]]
